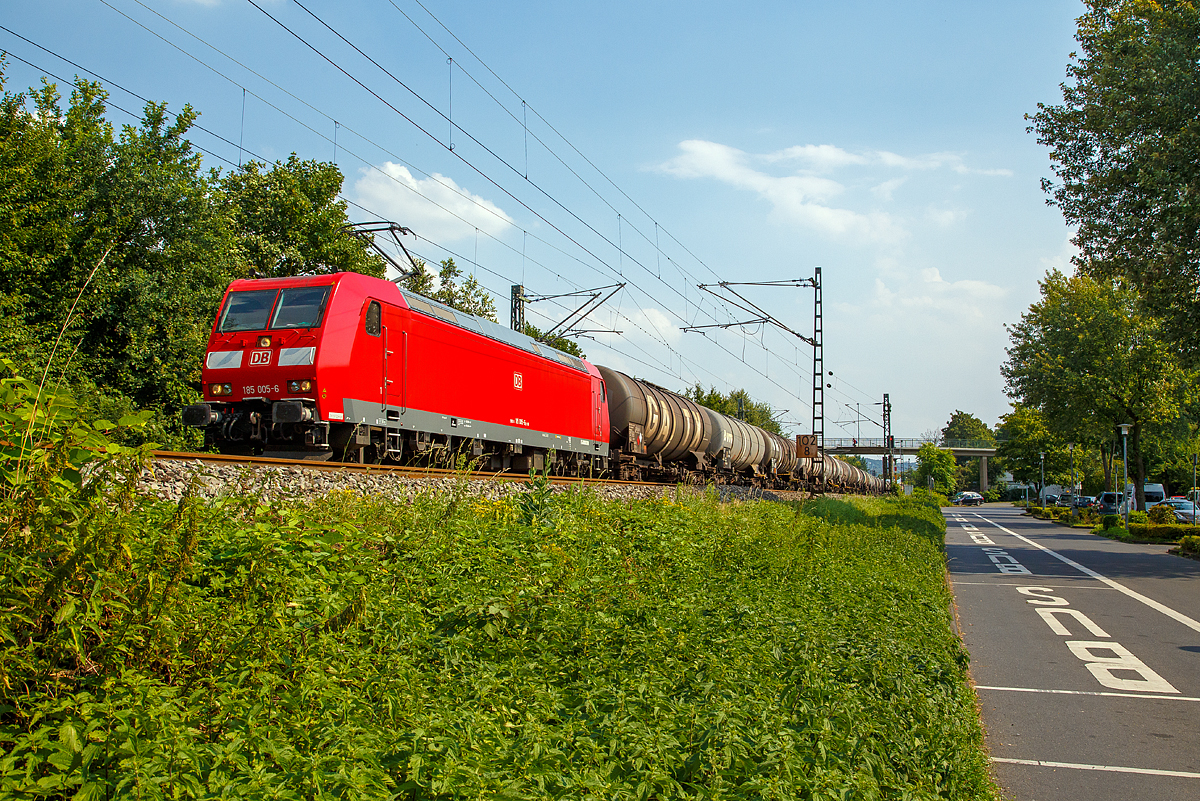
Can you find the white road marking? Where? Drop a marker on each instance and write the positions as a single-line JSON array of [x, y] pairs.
[[1109, 768], [1014, 584], [1057, 627], [1086, 692], [1137, 596], [1122, 659], [1043, 596]]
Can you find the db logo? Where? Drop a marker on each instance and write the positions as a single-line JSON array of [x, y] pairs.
[[518, 381], [260, 357]]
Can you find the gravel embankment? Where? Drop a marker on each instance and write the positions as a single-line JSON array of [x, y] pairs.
[[169, 479]]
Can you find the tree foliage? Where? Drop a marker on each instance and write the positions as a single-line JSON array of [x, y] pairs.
[[562, 343], [1089, 359], [966, 427], [466, 295], [117, 245], [963, 426], [288, 220], [937, 464], [1125, 148], [752, 411]]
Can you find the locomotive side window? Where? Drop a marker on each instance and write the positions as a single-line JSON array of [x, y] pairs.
[[300, 307], [247, 311], [373, 323]]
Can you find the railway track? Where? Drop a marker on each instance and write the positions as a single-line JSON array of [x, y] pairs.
[[402, 470]]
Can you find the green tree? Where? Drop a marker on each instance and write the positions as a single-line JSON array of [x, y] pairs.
[[937, 464], [737, 403], [288, 220], [468, 295], [1089, 359], [964, 427], [112, 241], [562, 343], [1125, 149]]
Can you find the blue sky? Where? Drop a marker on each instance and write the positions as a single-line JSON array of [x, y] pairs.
[[883, 142]]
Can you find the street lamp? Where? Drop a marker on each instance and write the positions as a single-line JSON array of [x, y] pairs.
[[1071, 449], [1042, 485], [1125, 467]]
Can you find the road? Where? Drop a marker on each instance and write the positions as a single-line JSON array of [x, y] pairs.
[[1085, 653]]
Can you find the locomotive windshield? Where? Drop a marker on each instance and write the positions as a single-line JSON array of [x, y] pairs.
[[297, 307], [247, 311], [300, 307]]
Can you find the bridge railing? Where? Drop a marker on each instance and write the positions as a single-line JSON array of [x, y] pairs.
[[907, 444]]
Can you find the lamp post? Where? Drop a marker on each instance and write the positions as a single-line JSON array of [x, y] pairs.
[[1125, 467], [1192, 495], [1071, 449], [1042, 484]]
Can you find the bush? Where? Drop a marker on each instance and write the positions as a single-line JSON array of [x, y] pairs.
[[1138, 517], [1111, 521], [1159, 533], [1162, 513], [1189, 545], [540, 646]]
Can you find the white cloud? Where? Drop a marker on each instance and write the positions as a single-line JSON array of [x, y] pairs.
[[944, 218], [806, 196], [796, 198], [1061, 261], [822, 158], [884, 190], [436, 207]]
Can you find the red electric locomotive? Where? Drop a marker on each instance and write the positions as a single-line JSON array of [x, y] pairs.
[[348, 366]]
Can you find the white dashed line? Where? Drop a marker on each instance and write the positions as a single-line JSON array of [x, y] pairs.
[[1137, 596], [1086, 692], [1109, 768]]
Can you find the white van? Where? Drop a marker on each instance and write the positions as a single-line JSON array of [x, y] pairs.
[[1155, 493]]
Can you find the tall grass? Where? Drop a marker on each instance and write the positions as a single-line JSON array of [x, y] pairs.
[[539, 647]]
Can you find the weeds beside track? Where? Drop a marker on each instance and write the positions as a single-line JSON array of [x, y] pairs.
[[540, 646]]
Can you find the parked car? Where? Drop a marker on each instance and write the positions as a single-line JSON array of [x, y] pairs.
[[1066, 500], [968, 499], [1109, 503], [1085, 501], [1050, 500], [1185, 510]]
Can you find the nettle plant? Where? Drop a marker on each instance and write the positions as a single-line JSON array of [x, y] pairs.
[[64, 490]]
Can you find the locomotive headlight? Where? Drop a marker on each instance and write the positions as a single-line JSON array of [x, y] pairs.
[[299, 386], [264, 342], [221, 389]]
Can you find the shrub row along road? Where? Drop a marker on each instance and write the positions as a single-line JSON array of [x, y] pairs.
[[1086, 656]]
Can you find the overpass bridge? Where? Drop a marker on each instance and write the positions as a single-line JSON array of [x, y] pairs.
[[966, 448]]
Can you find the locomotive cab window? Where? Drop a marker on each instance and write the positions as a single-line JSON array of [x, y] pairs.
[[247, 311], [300, 307], [373, 324]]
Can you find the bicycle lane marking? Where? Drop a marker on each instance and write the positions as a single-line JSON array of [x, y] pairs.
[[1116, 585]]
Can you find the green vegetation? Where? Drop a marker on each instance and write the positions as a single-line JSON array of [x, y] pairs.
[[737, 403], [1116, 342], [545, 646], [116, 246], [451, 289], [1125, 158], [936, 464]]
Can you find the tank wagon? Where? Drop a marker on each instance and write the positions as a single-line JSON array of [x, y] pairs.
[[346, 366]]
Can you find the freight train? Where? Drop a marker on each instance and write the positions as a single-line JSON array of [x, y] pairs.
[[349, 367]]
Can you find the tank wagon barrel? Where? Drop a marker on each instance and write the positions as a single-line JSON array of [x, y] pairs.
[[345, 366]]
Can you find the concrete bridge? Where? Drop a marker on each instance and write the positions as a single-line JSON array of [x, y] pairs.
[[966, 448]]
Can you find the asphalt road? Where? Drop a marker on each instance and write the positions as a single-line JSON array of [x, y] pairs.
[[1085, 654]]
